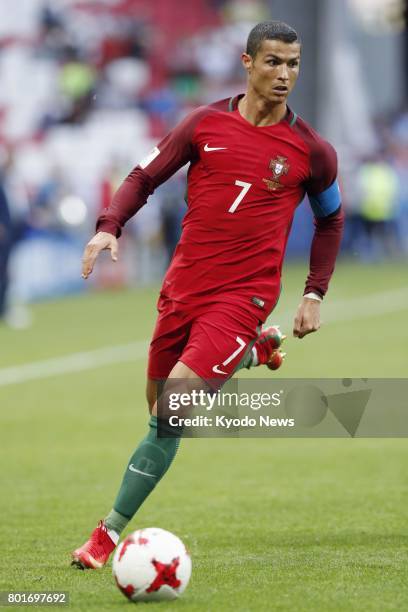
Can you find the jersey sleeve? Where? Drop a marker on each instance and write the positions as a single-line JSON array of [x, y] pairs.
[[322, 186], [172, 153], [324, 196], [324, 250]]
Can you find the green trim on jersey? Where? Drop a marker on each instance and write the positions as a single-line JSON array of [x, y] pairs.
[[231, 100], [293, 120]]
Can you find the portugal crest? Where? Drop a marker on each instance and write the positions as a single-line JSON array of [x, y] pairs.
[[279, 167]]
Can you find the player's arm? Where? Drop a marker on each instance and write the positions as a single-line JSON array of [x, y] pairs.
[[173, 152], [325, 200]]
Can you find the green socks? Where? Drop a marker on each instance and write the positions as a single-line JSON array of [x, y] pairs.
[[115, 521], [147, 465], [250, 359]]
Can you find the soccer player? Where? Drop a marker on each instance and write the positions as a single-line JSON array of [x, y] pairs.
[[252, 159]]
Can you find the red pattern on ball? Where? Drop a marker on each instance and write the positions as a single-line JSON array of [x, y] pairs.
[[166, 574]]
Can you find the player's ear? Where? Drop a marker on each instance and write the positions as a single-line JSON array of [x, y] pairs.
[[246, 62]]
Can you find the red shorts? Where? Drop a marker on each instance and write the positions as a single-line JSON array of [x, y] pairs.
[[212, 340]]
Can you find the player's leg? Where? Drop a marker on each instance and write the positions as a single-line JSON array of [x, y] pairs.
[[151, 459], [147, 465], [151, 393], [169, 339], [129, 493]]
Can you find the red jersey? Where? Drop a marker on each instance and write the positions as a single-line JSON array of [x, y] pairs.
[[244, 184]]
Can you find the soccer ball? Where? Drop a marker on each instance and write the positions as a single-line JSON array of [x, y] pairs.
[[151, 565]]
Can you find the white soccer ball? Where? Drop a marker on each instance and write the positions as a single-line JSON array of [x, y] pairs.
[[151, 565]]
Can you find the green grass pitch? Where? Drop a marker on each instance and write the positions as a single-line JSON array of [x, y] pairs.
[[314, 524]]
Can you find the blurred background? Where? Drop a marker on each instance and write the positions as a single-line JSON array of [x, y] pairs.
[[88, 87]]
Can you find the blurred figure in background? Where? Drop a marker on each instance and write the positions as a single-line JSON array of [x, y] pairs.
[[77, 82], [5, 246], [14, 214], [378, 183], [173, 208], [398, 147]]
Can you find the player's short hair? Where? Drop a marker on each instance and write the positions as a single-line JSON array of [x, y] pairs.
[[270, 30]]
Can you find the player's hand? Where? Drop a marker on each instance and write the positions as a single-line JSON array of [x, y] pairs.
[[307, 318], [100, 242]]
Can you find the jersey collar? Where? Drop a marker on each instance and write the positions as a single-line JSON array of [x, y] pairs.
[[290, 116]]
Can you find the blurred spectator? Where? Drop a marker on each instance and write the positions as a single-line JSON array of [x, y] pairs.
[[13, 229], [77, 83], [5, 247], [44, 214], [401, 169], [398, 146], [378, 183], [52, 33], [173, 208]]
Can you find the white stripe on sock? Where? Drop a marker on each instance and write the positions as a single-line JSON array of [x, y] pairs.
[[113, 536]]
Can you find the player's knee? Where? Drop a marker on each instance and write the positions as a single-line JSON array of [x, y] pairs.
[[151, 395], [151, 402], [180, 396]]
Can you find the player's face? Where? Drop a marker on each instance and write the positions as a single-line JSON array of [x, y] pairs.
[[273, 72]]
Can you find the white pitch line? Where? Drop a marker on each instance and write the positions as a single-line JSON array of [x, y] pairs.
[[361, 307], [75, 362], [345, 310], [369, 305]]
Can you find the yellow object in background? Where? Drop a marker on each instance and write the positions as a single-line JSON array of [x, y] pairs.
[[379, 190], [77, 80]]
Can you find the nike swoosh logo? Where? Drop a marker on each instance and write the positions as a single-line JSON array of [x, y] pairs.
[[207, 148], [133, 469], [217, 371]]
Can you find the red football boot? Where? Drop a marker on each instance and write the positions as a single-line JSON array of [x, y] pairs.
[[266, 350], [95, 552]]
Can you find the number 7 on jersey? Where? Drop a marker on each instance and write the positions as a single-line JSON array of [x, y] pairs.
[[245, 188]]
